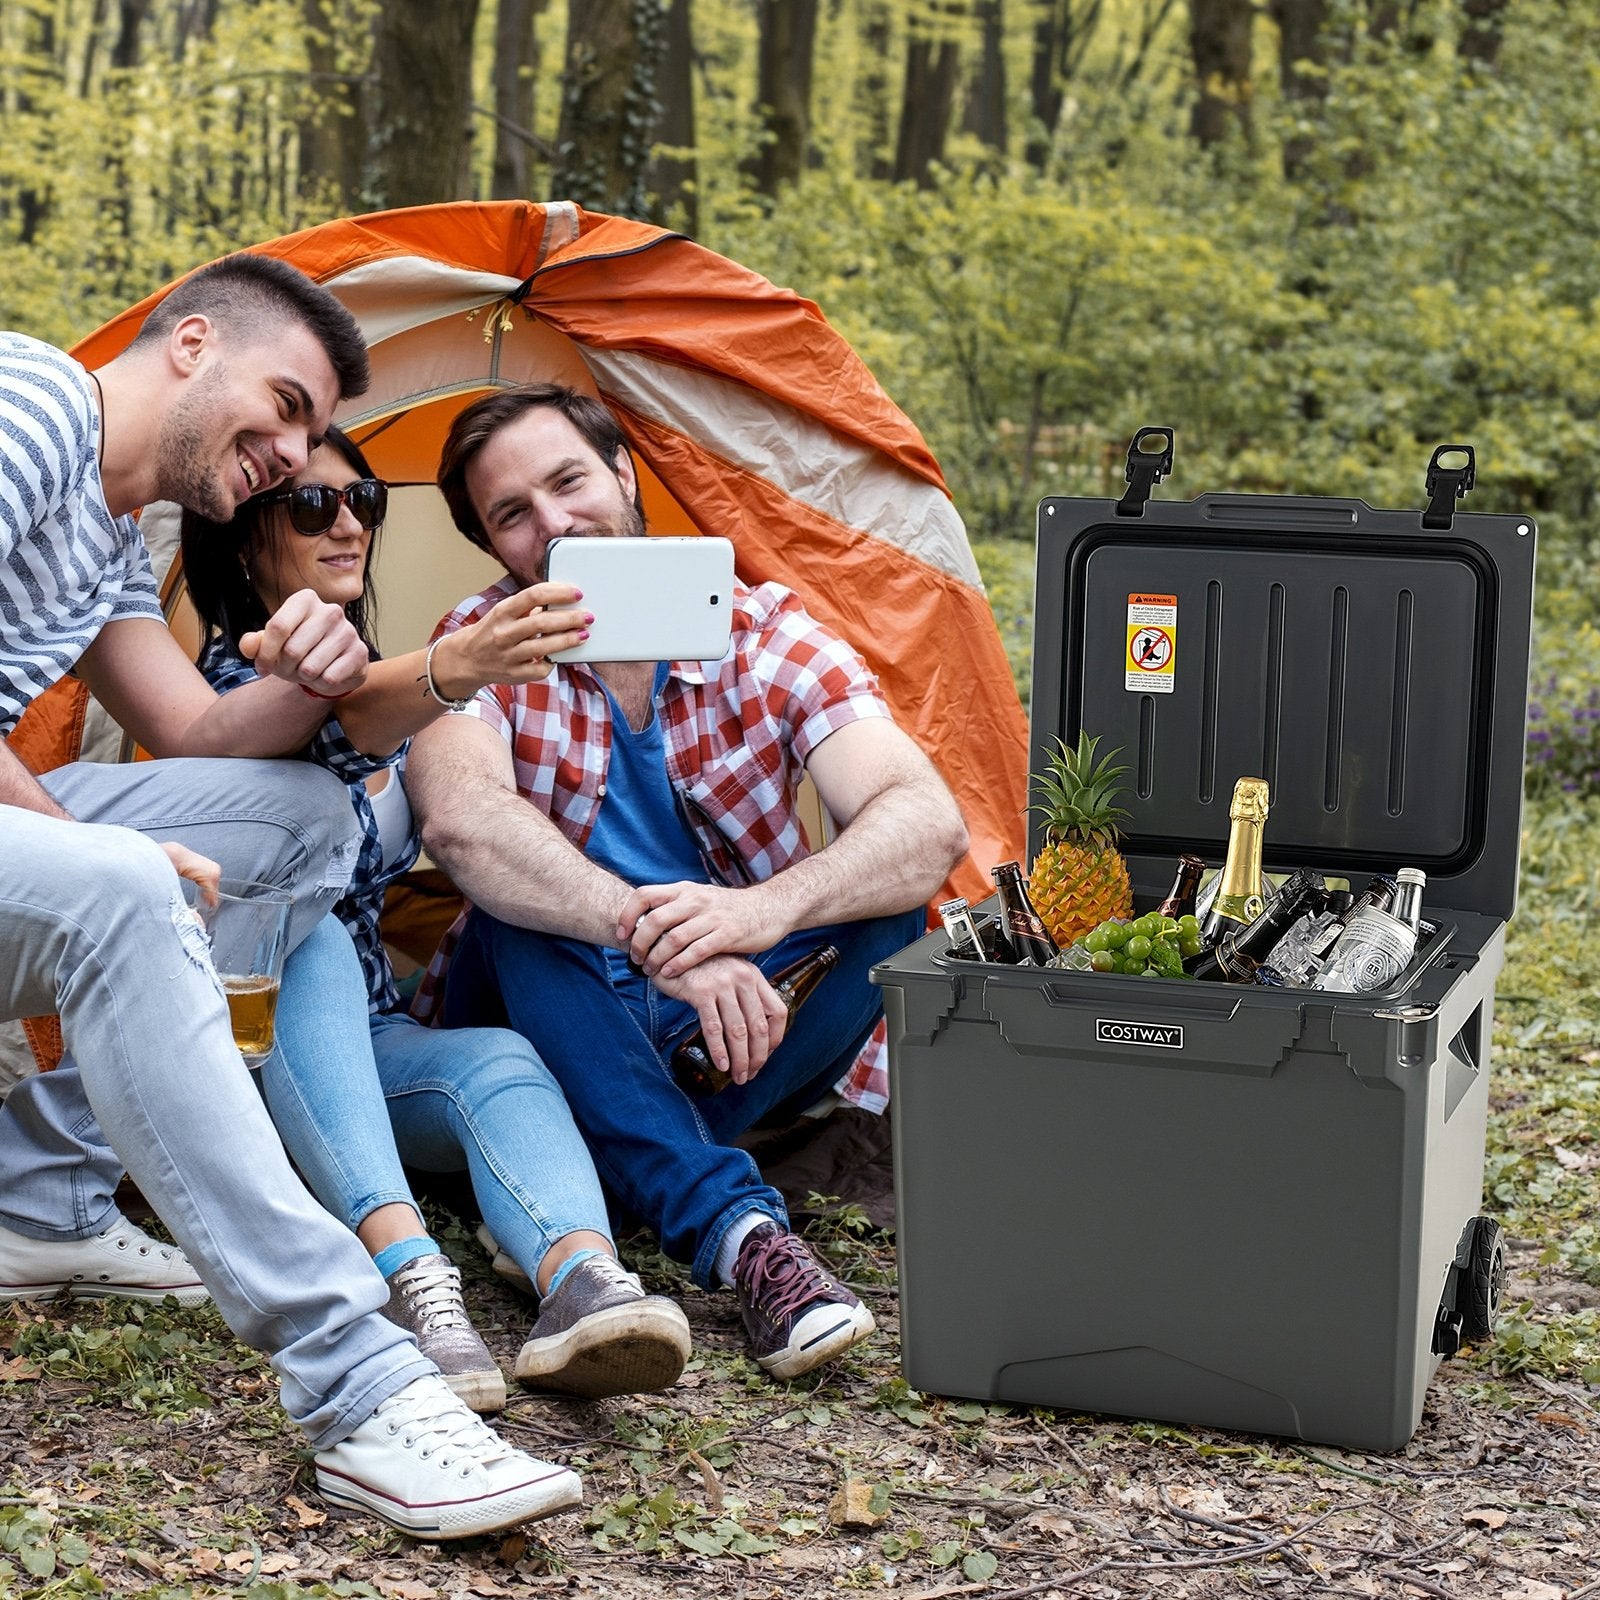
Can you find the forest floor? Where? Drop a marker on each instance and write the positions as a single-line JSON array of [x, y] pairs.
[[143, 1451]]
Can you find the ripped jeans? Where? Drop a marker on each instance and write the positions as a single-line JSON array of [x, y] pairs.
[[87, 928]]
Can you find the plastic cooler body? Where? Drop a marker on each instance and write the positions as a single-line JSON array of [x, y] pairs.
[[1205, 1203]]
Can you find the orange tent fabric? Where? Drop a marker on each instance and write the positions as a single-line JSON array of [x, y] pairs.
[[750, 417]]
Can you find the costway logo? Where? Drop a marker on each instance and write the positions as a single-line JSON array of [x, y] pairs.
[[1163, 1035]]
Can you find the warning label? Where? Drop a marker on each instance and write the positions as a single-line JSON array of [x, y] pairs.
[[1152, 643]]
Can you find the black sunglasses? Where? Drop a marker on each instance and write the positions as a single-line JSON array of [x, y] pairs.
[[314, 507]]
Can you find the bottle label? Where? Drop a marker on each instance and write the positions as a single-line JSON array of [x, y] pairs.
[[1375, 950]]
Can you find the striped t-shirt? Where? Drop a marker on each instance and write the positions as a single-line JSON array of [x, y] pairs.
[[67, 566]]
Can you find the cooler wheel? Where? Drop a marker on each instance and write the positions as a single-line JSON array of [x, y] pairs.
[[1482, 1286]]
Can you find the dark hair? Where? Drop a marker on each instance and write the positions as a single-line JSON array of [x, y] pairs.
[[253, 296], [216, 556], [483, 419]]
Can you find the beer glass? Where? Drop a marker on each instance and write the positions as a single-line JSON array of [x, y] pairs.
[[248, 929]]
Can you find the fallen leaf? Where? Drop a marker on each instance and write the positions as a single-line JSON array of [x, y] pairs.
[[513, 1548], [205, 1559], [1560, 1419], [273, 1565], [1533, 1589], [1487, 1517], [309, 1516], [18, 1370], [405, 1589]]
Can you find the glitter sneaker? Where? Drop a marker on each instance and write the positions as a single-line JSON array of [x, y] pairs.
[[600, 1334], [425, 1299]]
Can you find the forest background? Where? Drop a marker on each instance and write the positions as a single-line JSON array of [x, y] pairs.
[[1316, 237]]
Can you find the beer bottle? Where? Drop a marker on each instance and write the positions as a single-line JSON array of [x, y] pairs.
[[692, 1067], [1238, 899], [1236, 957], [961, 930], [1020, 927], [1180, 897]]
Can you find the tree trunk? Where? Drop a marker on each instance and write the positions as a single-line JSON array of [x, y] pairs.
[[1219, 42], [932, 65], [130, 20], [1302, 45], [986, 98], [873, 159], [1062, 30], [675, 179], [420, 133], [1482, 30], [608, 104], [783, 91], [332, 127], [516, 76]]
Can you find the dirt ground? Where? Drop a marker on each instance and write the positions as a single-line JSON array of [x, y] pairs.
[[145, 1453]]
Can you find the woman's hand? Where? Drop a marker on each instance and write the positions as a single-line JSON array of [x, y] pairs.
[[512, 643]]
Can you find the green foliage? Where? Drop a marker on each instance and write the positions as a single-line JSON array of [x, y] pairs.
[[660, 1523], [155, 1358]]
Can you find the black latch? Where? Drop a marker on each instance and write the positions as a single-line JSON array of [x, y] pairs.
[[1149, 461], [1451, 474]]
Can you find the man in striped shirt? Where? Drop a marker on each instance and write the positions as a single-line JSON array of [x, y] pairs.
[[628, 835], [224, 393]]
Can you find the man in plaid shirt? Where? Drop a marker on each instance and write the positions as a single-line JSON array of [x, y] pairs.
[[628, 837]]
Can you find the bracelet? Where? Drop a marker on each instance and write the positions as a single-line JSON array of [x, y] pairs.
[[433, 688], [315, 696]]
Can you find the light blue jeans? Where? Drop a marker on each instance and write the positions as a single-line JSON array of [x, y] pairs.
[[87, 928], [353, 1095]]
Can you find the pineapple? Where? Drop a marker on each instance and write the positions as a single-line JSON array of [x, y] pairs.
[[1079, 878]]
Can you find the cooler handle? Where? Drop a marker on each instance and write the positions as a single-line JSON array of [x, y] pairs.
[[1138, 1026]]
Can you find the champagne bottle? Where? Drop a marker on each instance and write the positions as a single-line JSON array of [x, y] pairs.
[[1020, 925], [1180, 897], [1238, 899], [1236, 957], [692, 1067]]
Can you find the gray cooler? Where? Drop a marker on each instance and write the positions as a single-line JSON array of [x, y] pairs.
[[1239, 1207]]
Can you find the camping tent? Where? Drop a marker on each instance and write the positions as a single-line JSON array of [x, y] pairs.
[[748, 414]]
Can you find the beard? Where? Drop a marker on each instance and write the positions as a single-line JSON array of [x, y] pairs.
[[628, 523], [183, 473]]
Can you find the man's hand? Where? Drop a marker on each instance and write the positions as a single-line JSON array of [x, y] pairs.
[[310, 642], [740, 1012], [670, 928], [197, 869]]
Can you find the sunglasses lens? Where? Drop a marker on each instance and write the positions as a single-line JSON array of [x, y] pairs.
[[368, 501], [313, 508]]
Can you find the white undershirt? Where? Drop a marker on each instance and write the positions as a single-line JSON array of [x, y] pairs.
[[392, 812]]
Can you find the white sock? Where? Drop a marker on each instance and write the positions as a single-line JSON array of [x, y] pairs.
[[728, 1250]]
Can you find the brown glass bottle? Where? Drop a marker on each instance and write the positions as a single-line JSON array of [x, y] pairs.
[[1180, 897], [692, 1067], [1020, 926]]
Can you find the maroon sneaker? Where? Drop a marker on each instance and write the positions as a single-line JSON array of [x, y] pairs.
[[797, 1314]]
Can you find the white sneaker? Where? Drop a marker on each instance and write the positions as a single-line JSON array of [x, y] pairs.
[[503, 1265], [122, 1261], [424, 1463]]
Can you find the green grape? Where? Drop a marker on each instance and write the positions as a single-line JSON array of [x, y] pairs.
[[1103, 961], [1094, 940], [1189, 927], [1138, 948], [1117, 934], [1190, 945]]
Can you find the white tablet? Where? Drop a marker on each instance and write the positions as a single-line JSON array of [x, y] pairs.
[[653, 599]]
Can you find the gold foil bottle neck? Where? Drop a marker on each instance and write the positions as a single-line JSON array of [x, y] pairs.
[[1249, 801]]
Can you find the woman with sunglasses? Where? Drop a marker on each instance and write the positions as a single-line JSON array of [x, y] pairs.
[[354, 1084]]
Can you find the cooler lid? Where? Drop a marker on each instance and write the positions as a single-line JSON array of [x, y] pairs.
[[1372, 669]]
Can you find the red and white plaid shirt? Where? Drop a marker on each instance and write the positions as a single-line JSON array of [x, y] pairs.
[[737, 733]]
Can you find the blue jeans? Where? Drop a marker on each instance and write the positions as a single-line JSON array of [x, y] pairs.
[[662, 1153], [88, 928], [353, 1095]]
